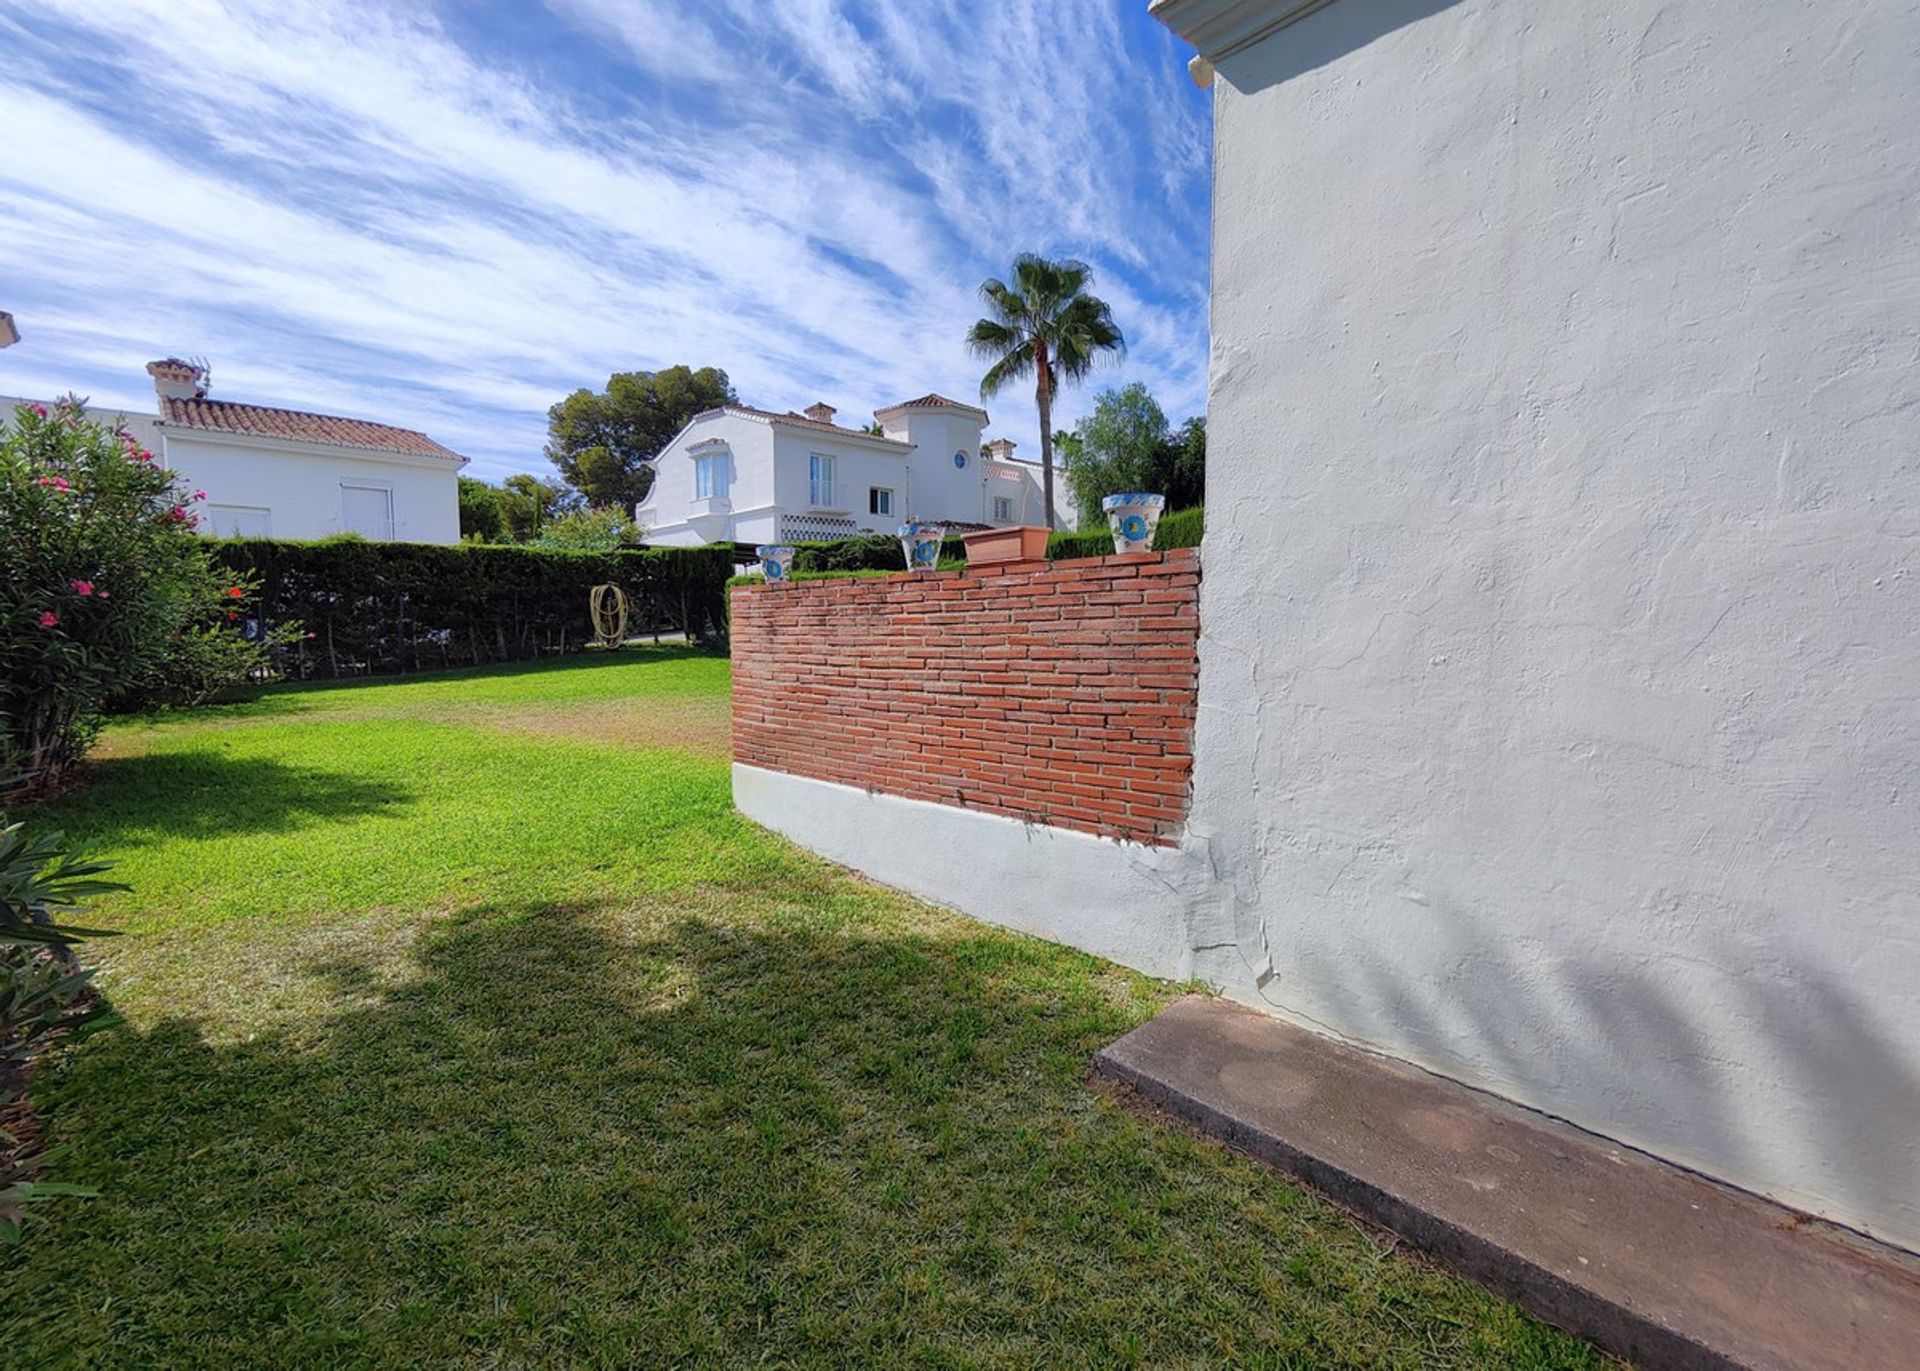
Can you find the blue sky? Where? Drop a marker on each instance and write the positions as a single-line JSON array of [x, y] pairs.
[[448, 216]]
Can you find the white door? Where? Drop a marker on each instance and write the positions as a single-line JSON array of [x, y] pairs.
[[367, 511]]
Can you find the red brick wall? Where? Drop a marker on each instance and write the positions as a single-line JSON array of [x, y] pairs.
[[1060, 693]]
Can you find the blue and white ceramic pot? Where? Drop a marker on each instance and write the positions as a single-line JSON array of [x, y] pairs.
[[776, 562], [1133, 517], [921, 543]]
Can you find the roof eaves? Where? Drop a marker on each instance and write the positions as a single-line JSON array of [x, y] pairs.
[[1220, 28]]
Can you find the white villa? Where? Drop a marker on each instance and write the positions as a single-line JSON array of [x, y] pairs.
[[283, 473], [741, 475]]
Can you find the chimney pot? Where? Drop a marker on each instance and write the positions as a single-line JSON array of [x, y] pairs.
[[821, 412], [174, 379]]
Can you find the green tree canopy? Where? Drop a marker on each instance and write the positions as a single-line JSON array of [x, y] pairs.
[[480, 517], [602, 440], [1046, 326], [585, 530], [1126, 444], [515, 511], [527, 503]]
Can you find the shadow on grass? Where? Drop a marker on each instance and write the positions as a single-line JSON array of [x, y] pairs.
[[205, 794], [563, 1136]]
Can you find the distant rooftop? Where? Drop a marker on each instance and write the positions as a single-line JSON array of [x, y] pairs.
[[261, 421]]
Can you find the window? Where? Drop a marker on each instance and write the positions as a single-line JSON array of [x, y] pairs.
[[1003, 509], [880, 500], [367, 511], [820, 481], [710, 477], [239, 521]]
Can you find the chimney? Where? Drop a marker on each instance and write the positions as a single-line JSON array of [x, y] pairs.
[[174, 379], [821, 412], [1000, 450]]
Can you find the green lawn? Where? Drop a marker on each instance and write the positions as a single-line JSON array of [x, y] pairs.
[[466, 1023]]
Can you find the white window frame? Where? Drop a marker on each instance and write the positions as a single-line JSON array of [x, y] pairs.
[[819, 491], [712, 476], [379, 487], [1003, 502], [880, 501]]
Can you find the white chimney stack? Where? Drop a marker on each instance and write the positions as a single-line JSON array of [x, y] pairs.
[[1000, 450], [174, 379]]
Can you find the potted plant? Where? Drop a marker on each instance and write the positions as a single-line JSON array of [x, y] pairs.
[[1017, 543], [776, 561], [1133, 516], [921, 543]]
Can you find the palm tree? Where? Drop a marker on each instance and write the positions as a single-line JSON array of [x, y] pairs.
[[1046, 326]]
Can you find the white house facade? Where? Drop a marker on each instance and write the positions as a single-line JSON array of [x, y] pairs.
[[292, 474], [1558, 724], [742, 475]]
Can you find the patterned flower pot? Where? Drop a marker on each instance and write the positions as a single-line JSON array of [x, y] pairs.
[[1133, 517], [921, 543], [776, 562]]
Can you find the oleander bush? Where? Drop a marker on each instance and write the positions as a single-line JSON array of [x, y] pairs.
[[107, 595]]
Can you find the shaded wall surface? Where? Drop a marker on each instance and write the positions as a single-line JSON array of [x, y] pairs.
[[1560, 676]]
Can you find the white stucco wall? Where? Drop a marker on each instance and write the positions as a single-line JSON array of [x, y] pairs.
[[1105, 896], [771, 477], [1560, 685], [674, 517], [301, 484]]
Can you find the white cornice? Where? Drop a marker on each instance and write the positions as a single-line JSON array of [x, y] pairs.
[[1220, 28]]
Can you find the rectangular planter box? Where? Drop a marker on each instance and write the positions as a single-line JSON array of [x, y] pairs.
[[1021, 543]]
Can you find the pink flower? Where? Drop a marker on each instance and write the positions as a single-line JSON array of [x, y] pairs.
[[57, 482], [177, 515], [81, 587], [199, 494], [49, 619], [143, 456], [40, 410]]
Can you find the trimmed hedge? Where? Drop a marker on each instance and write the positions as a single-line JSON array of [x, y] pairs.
[[881, 551], [1182, 528], [371, 609], [868, 552]]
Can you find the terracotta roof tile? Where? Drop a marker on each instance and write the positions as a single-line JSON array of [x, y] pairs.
[[933, 401], [224, 416]]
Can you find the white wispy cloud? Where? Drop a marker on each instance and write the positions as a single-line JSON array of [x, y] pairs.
[[388, 213]]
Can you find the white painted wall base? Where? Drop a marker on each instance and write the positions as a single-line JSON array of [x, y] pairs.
[[1121, 901]]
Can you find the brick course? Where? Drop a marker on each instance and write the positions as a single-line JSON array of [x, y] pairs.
[[1060, 693]]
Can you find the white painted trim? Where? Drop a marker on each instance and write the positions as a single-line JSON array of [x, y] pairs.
[[1122, 901], [1220, 28]]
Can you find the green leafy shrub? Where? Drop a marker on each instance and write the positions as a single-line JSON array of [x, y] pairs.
[[45, 994], [390, 608], [880, 552], [585, 530], [107, 595]]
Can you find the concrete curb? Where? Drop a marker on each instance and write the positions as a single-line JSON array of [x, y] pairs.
[[1645, 1260]]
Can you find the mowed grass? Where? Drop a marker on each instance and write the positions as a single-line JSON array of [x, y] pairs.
[[467, 1024]]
